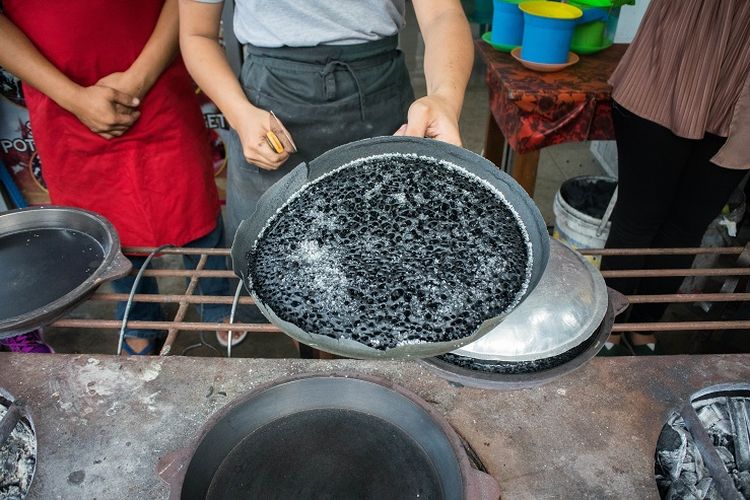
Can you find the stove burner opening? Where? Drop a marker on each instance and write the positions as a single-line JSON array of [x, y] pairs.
[[17, 458], [327, 453]]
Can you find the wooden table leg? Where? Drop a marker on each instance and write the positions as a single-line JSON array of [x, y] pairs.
[[307, 352], [494, 143], [522, 166], [524, 170]]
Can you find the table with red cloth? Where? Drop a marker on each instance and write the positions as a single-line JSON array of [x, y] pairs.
[[531, 110]]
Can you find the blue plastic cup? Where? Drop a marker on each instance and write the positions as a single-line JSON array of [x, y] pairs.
[[507, 23], [547, 31]]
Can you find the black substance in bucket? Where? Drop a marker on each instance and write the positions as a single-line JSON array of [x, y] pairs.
[[588, 195]]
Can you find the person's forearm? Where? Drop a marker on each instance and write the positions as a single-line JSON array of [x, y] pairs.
[[207, 63], [449, 51], [104, 111], [19, 56], [211, 71], [159, 50], [206, 60]]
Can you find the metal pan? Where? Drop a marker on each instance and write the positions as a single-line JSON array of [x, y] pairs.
[[326, 436], [509, 375], [51, 259], [563, 310], [280, 192]]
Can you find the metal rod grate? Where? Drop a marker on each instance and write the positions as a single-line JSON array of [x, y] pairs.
[[731, 292]]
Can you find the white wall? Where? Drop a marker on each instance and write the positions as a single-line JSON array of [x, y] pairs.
[[630, 18]]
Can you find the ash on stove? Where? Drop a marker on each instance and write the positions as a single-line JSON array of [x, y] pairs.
[[680, 469], [17, 460], [391, 250]]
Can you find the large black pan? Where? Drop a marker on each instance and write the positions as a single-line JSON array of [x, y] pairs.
[[280, 192], [332, 436], [51, 259]]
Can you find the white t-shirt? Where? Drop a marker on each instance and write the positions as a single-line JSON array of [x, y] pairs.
[[307, 23]]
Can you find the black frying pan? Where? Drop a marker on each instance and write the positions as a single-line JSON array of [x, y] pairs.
[[52, 258], [331, 436], [280, 192]]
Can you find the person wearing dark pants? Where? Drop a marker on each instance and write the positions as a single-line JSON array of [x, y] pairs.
[[682, 124], [669, 192], [330, 72], [357, 91], [116, 121]]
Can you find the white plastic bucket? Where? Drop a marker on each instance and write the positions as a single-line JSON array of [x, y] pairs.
[[575, 226]]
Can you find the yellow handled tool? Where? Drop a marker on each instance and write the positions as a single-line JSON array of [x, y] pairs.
[[278, 130], [274, 142]]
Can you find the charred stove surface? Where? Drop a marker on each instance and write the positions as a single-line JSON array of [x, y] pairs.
[[17, 459], [392, 250], [592, 434], [681, 471]]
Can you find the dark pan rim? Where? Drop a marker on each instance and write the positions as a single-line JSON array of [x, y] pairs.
[[52, 310], [500, 381]]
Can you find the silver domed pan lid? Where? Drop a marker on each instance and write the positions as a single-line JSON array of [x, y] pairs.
[[563, 311], [478, 168]]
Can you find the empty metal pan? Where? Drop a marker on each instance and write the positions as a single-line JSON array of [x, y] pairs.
[[51, 259], [348, 165], [558, 328], [329, 436]]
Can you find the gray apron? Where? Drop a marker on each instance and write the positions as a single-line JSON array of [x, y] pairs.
[[326, 96]]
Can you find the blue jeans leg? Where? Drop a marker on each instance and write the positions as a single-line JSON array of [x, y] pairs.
[[140, 311], [212, 313]]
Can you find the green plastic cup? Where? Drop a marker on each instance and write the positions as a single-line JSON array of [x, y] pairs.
[[589, 34]]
